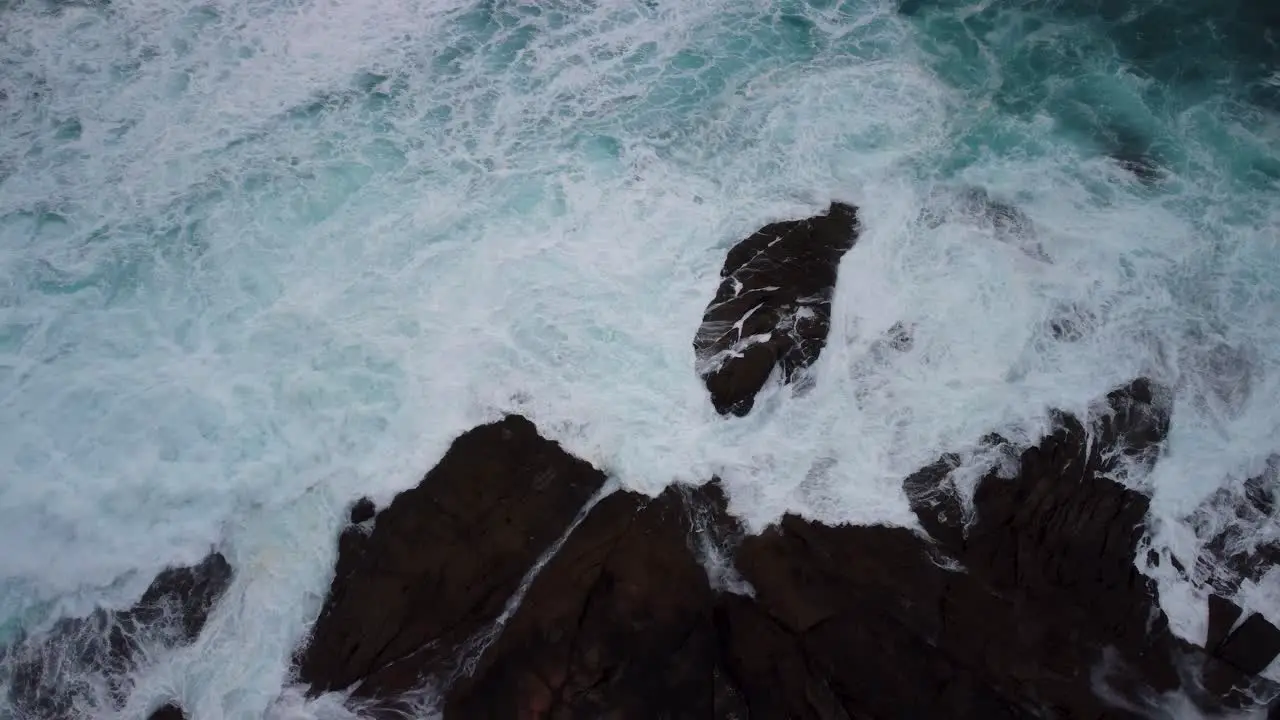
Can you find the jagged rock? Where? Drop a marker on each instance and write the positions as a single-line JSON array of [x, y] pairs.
[[168, 712], [1013, 611], [1222, 617], [442, 559], [1252, 646], [83, 663], [1061, 537], [1230, 675], [618, 624], [773, 306]]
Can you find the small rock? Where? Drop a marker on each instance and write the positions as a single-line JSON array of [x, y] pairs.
[[773, 306], [442, 560], [1222, 617], [362, 510]]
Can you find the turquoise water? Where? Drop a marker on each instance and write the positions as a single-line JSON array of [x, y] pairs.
[[258, 258]]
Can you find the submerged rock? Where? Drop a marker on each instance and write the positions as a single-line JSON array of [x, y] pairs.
[[975, 205], [773, 306], [442, 559], [1139, 164], [85, 663]]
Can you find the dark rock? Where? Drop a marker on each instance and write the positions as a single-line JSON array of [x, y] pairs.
[[773, 306], [168, 712], [1028, 607], [618, 624], [827, 595], [442, 560], [1132, 425], [936, 502], [1058, 542], [1252, 646], [362, 510], [1222, 617], [86, 662]]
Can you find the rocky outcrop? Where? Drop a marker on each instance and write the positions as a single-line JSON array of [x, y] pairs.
[[773, 306], [1029, 605], [85, 663], [421, 578], [1056, 544]]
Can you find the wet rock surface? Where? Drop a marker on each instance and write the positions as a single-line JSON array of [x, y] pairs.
[[82, 665], [1028, 607], [439, 563], [773, 306]]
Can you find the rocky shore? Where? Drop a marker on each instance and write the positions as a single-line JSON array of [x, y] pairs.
[[516, 582]]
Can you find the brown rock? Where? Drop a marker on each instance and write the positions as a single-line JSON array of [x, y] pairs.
[[83, 662], [442, 559], [1239, 550], [773, 306], [618, 625], [1062, 535]]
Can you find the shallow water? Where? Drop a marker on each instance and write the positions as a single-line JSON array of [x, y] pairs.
[[259, 258]]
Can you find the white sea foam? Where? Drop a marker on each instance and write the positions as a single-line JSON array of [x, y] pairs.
[[258, 258]]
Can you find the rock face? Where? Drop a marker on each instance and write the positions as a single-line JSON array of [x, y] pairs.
[[619, 622], [1027, 608], [84, 663], [773, 306], [441, 561]]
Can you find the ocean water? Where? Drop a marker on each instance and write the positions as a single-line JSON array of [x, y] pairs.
[[260, 257]]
